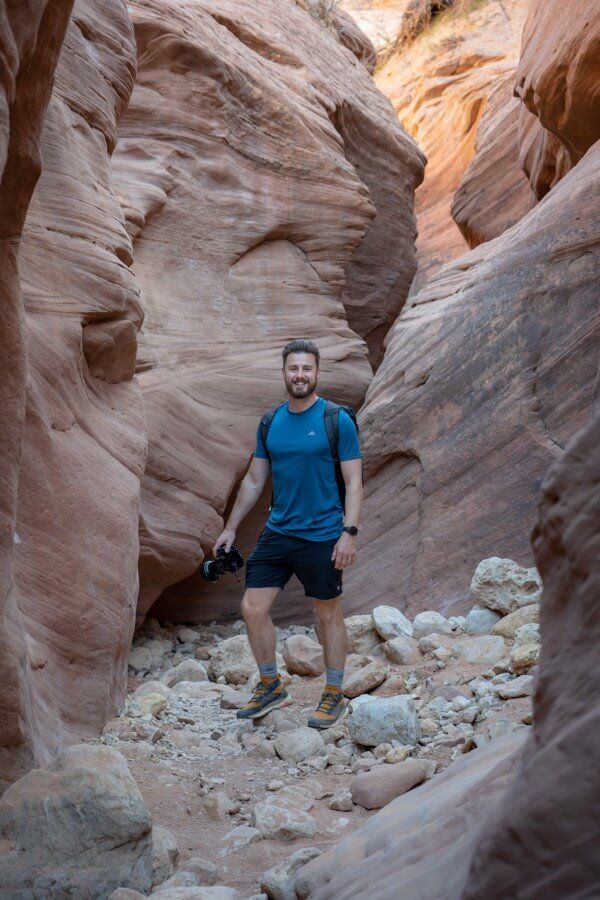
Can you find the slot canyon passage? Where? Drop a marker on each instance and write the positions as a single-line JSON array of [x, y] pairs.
[[185, 186]]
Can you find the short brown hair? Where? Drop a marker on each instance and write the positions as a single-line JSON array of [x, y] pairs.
[[301, 345]]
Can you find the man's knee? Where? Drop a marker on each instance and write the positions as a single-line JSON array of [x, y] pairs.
[[328, 611], [256, 604]]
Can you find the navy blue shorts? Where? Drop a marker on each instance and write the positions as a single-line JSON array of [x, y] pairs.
[[277, 557]]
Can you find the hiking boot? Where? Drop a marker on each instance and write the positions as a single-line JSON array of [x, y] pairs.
[[268, 695], [332, 707]]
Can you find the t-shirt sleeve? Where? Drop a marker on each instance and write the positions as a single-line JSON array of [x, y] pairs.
[[260, 451], [349, 446]]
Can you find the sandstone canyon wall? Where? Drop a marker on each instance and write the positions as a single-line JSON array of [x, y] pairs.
[[486, 376], [268, 188], [74, 498], [439, 75]]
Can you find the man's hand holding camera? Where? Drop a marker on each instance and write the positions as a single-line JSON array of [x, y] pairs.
[[225, 539]]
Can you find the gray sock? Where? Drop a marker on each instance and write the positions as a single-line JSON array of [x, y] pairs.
[[334, 677], [268, 669]]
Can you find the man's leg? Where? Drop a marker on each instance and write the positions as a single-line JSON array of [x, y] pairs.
[[256, 610], [270, 692], [332, 631]]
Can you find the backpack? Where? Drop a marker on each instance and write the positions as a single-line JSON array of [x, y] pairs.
[[331, 416]]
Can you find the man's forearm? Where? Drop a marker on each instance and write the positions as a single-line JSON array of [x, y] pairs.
[[247, 497], [354, 495]]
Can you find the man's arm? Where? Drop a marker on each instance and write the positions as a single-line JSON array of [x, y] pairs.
[[250, 490], [344, 552]]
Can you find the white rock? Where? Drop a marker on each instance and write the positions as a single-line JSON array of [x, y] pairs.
[[140, 659], [278, 822], [402, 650], [238, 837], [232, 660], [389, 623], [362, 637], [507, 627], [484, 650], [188, 670], [151, 687], [341, 800], [527, 634], [365, 680], [165, 853], [273, 882], [480, 620], [518, 687], [384, 719], [503, 585], [429, 622], [299, 744], [188, 635]]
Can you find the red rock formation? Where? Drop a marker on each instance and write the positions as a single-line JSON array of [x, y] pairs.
[[558, 80], [545, 835], [75, 543], [439, 85], [494, 192], [485, 379], [420, 845], [254, 157]]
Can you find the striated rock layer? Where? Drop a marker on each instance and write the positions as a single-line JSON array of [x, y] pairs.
[[75, 541], [558, 80], [545, 834], [440, 84], [268, 188], [485, 379], [494, 192]]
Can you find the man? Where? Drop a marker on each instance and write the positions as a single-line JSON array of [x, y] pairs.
[[309, 532]]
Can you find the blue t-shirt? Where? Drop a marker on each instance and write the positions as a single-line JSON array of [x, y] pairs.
[[306, 500]]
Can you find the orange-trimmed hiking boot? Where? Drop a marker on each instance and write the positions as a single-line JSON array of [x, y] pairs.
[[332, 707], [268, 695]]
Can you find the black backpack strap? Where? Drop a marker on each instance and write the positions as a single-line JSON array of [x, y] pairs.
[[265, 424], [331, 415]]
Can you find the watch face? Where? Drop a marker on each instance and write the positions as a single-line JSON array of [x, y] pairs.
[[351, 529]]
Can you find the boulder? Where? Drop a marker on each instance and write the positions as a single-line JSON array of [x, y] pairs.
[[275, 879], [365, 680], [188, 670], [165, 854], [204, 869], [527, 634], [300, 744], [151, 704], [484, 650], [362, 637], [381, 785], [517, 687], [430, 622], [232, 659], [507, 627], [239, 837], [282, 823], [303, 656], [341, 800], [402, 650], [503, 585], [79, 828], [140, 659], [378, 720], [390, 623], [151, 687], [524, 657], [480, 620]]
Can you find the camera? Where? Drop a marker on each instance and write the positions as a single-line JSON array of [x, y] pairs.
[[226, 561]]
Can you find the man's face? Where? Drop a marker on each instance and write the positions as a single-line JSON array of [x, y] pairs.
[[301, 374]]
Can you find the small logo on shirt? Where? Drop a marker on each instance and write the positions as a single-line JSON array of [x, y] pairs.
[[311, 433]]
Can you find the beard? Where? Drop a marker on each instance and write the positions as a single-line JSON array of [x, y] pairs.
[[299, 388]]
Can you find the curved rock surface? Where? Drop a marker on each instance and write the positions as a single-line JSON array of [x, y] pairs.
[[439, 85], [75, 542], [545, 833], [268, 188], [486, 378], [423, 839], [494, 192], [558, 80]]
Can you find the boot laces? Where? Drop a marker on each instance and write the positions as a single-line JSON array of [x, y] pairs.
[[328, 702]]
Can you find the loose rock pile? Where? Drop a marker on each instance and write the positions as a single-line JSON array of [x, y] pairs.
[[245, 796]]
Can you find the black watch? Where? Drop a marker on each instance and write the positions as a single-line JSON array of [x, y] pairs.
[[350, 529]]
